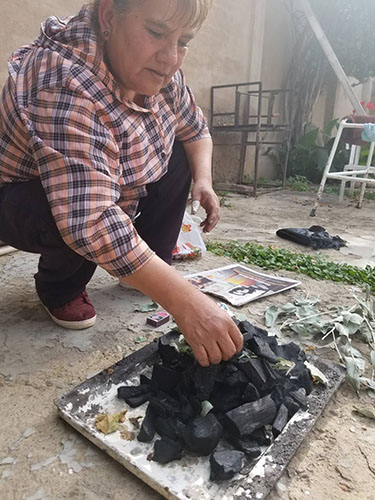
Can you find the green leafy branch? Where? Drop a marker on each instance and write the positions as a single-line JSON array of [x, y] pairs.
[[339, 324], [315, 267]]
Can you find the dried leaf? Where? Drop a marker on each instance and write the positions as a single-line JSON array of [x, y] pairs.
[[127, 435], [284, 365], [107, 423], [364, 412], [317, 376], [153, 306], [135, 421]]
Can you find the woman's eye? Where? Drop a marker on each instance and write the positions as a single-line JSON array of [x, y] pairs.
[[155, 33], [182, 44]]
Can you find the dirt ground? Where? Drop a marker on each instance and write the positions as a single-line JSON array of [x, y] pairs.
[[42, 458]]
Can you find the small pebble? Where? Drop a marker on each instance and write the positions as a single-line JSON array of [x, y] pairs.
[[352, 429], [8, 461]]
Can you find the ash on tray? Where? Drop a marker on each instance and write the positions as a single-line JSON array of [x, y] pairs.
[[226, 411]]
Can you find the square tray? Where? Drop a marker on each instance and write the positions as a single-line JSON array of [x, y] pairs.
[[188, 478]]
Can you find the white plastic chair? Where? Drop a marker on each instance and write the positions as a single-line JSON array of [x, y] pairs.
[[353, 172]]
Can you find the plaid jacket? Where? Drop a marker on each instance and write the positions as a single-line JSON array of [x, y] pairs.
[[63, 119]]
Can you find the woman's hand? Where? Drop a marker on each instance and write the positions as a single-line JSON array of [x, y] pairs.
[[210, 331], [206, 196]]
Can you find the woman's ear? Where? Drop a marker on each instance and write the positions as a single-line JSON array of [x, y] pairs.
[[106, 16]]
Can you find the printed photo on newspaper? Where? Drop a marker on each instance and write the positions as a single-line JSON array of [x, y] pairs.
[[239, 284]]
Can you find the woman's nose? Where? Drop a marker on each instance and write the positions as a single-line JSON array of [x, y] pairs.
[[168, 54]]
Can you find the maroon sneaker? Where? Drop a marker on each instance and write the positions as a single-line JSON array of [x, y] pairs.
[[75, 315]]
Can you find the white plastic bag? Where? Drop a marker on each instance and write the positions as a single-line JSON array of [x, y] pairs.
[[190, 244]]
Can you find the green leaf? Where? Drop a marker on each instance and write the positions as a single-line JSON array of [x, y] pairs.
[[140, 340], [352, 373], [364, 412], [372, 357], [348, 350], [206, 407], [153, 306], [367, 382], [270, 316], [241, 317], [342, 330], [284, 365], [317, 375], [308, 140]]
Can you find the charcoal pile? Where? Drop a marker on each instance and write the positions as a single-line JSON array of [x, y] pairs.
[[226, 411]]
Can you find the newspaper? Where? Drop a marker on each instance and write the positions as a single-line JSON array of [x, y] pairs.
[[239, 284]]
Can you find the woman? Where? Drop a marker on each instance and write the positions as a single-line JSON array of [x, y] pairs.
[[90, 172]]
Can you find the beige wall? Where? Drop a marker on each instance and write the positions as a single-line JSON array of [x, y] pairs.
[[20, 23], [228, 49]]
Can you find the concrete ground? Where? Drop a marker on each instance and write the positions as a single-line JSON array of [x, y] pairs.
[[42, 458]]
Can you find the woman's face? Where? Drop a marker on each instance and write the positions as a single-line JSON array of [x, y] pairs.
[[146, 45]]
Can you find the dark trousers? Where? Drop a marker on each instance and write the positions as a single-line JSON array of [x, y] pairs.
[[26, 223]]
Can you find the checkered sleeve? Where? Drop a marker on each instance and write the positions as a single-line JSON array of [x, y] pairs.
[[78, 162], [192, 125]]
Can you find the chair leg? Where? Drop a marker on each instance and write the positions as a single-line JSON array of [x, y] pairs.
[[326, 170]]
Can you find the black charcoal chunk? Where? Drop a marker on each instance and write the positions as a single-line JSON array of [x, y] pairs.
[[166, 450], [253, 369], [224, 398], [233, 377], [261, 348], [144, 380], [168, 427], [245, 419], [134, 395], [164, 405], [261, 436], [165, 379], [248, 445], [147, 430], [292, 405], [169, 354], [250, 393], [300, 397], [225, 464], [203, 434], [204, 380], [301, 376], [280, 421], [291, 351]]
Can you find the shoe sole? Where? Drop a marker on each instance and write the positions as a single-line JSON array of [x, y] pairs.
[[71, 325]]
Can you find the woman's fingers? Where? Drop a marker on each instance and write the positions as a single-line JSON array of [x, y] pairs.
[[237, 337], [201, 355]]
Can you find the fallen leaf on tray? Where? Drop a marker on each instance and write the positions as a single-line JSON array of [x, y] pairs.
[[127, 435], [364, 412], [317, 376], [107, 423], [135, 421]]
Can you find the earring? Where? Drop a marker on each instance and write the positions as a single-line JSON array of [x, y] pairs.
[[106, 34]]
